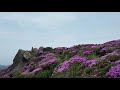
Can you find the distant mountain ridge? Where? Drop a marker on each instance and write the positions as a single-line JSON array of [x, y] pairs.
[[3, 67]]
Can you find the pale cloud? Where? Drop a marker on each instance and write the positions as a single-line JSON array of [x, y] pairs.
[[45, 20], [6, 32], [31, 24]]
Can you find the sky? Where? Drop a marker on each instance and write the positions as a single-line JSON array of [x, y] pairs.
[[24, 30]]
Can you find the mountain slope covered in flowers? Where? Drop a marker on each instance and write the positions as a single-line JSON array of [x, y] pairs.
[[79, 61]]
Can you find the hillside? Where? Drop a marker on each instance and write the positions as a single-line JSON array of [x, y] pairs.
[[79, 61]]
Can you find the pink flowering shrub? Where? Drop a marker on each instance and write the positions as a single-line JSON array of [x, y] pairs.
[[117, 62], [89, 63], [26, 72], [63, 66], [48, 59], [87, 52], [36, 70], [114, 72], [112, 57], [75, 59]]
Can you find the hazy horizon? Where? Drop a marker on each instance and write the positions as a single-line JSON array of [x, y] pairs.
[[24, 30]]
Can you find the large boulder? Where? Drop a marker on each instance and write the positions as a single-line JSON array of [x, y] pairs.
[[22, 56], [19, 57], [27, 55]]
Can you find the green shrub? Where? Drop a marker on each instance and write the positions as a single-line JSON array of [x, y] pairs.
[[48, 49], [43, 74], [91, 56], [53, 66], [102, 67], [112, 58], [29, 76], [65, 56], [111, 49], [59, 75], [18, 75], [75, 70]]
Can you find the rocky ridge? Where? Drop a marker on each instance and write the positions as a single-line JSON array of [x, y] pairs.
[[79, 61]]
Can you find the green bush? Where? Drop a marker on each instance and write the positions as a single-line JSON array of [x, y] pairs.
[[48, 49], [18, 75], [43, 74], [53, 66], [75, 70], [29, 76], [91, 56], [102, 67], [59, 75], [65, 56], [112, 58]]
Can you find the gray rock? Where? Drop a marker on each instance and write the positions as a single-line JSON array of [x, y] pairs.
[[19, 62], [19, 56], [22, 56], [34, 50], [27, 55]]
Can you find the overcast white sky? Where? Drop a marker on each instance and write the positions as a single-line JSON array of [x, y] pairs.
[[23, 30]]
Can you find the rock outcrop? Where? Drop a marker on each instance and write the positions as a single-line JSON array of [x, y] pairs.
[[22, 57]]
